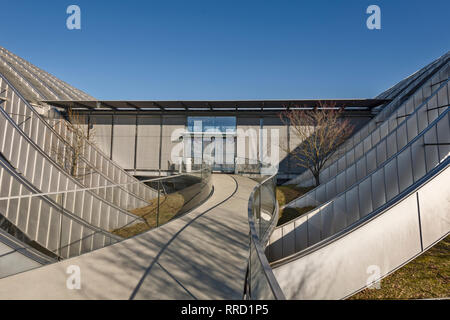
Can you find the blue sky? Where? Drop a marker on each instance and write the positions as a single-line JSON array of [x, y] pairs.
[[227, 49]]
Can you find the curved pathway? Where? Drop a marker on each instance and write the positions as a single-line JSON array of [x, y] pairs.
[[202, 255]]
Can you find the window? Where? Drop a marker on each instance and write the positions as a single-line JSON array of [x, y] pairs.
[[214, 124]]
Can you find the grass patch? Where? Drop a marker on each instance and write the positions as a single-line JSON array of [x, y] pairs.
[[425, 277], [170, 206], [289, 214], [286, 194]]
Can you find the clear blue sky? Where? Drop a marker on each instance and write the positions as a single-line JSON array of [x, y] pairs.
[[227, 49]]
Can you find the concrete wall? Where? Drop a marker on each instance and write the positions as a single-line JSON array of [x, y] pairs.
[[136, 142], [393, 238]]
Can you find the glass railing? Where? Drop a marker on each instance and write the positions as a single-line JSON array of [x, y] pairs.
[[68, 223], [262, 217]]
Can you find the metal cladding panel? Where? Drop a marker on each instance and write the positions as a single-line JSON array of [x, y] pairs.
[[32, 226], [384, 130], [390, 177], [275, 249], [361, 171], [443, 135], [331, 188], [422, 118], [350, 175], [365, 197], [327, 220], [404, 166], [7, 147], [410, 104], [43, 224], [124, 138], [342, 164], [46, 186], [54, 229], [314, 227], [401, 112], [15, 262], [102, 128], [340, 182], [371, 162], [393, 123], [391, 142], [433, 112], [333, 169], [350, 157], [359, 151], [288, 239], [401, 136], [378, 189], [375, 136], [148, 143], [324, 175], [321, 193], [431, 149], [442, 97], [412, 129], [381, 152], [23, 157], [352, 203], [75, 237], [418, 99], [418, 158], [339, 213]]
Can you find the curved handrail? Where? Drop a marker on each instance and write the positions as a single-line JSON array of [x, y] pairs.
[[255, 287], [194, 185]]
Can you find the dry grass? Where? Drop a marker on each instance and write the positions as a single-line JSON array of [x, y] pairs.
[[286, 194], [170, 206], [427, 276], [289, 214]]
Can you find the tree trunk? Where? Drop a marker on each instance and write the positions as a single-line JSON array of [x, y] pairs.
[[317, 178]]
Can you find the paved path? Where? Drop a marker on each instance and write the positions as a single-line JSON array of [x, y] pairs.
[[202, 255]]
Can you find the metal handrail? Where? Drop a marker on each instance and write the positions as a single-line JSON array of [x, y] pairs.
[[256, 238]]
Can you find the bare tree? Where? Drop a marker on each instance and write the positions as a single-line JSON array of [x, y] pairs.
[[321, 130], [69, 155]]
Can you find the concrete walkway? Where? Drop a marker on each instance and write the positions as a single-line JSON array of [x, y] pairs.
[[202, 255]]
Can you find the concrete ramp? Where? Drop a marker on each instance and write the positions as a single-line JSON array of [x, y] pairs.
[[201, 255]]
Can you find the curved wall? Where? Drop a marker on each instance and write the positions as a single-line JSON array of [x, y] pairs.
[[426, 77], [379, 147], [397, 235], [416, 157]]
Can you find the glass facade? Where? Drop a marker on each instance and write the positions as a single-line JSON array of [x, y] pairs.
[[214, 138], [211, 124]]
